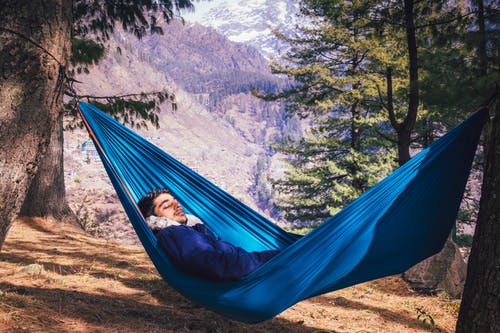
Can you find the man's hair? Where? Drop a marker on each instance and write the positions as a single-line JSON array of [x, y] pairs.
[[146, 205]]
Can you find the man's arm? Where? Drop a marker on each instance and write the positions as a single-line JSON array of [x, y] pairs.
[[202, 255]]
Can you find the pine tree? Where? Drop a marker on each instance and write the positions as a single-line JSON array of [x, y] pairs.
[[39, 36], [455, 82], [378, 45], [479, 310], [336, 85], [461, 62], [46, 196], [325, 172]]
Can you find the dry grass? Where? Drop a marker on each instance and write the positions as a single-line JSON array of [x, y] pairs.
[[53, 278]]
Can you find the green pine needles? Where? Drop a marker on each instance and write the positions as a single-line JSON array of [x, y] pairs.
[[325, 172], [378, 81]]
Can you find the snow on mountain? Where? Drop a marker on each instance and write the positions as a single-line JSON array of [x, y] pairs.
[[248, 22]]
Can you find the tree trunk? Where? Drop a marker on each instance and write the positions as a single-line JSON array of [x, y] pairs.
[[404, 131], [30, 92], [355, 127], [481, 50], [440, 271], [47, 194], [354, 169], [480, 308], [404, 140]]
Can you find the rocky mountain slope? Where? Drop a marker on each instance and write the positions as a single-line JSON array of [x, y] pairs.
[[218, 129]]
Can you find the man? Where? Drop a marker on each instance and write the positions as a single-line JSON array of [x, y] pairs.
[[191, 247], [161, 210]]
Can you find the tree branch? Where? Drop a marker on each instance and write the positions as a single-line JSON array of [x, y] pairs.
[[390, 103], [388, 138], [32, 42], [119, 96], [436, 23], [380, 97]]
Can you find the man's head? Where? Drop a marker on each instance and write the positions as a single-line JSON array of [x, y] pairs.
[[161, 203]]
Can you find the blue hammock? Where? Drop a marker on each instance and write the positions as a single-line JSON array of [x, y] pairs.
[[402, 220]]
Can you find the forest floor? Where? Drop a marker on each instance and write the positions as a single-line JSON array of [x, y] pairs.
[[55, 278]]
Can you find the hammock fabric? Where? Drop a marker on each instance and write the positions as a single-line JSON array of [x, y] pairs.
[[404, 219]]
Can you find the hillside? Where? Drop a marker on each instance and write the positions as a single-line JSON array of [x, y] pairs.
[[199, 59], [221, 133], [54, 278]]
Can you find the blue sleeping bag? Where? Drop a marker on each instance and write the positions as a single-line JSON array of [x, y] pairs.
[[196, 251]]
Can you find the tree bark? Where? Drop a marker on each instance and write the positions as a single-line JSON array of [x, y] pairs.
[[46, 196], [355, 128], [481, 50], [435, 273], [404, 131], [480, 308], [30, 92]]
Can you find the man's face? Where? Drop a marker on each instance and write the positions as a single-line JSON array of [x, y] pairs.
[[165, 205]]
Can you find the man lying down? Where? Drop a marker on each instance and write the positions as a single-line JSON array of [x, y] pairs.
[[193, 248]]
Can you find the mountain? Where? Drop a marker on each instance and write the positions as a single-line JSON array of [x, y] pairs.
[[247, 22], [200, 59], [219, 129]]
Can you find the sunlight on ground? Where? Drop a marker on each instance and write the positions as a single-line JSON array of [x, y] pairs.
[[54, 278]]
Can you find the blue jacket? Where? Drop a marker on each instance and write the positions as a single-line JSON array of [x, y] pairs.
[[196, 251]]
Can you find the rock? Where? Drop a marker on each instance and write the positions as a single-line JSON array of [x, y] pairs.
[[445, 271], [32, 269]]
